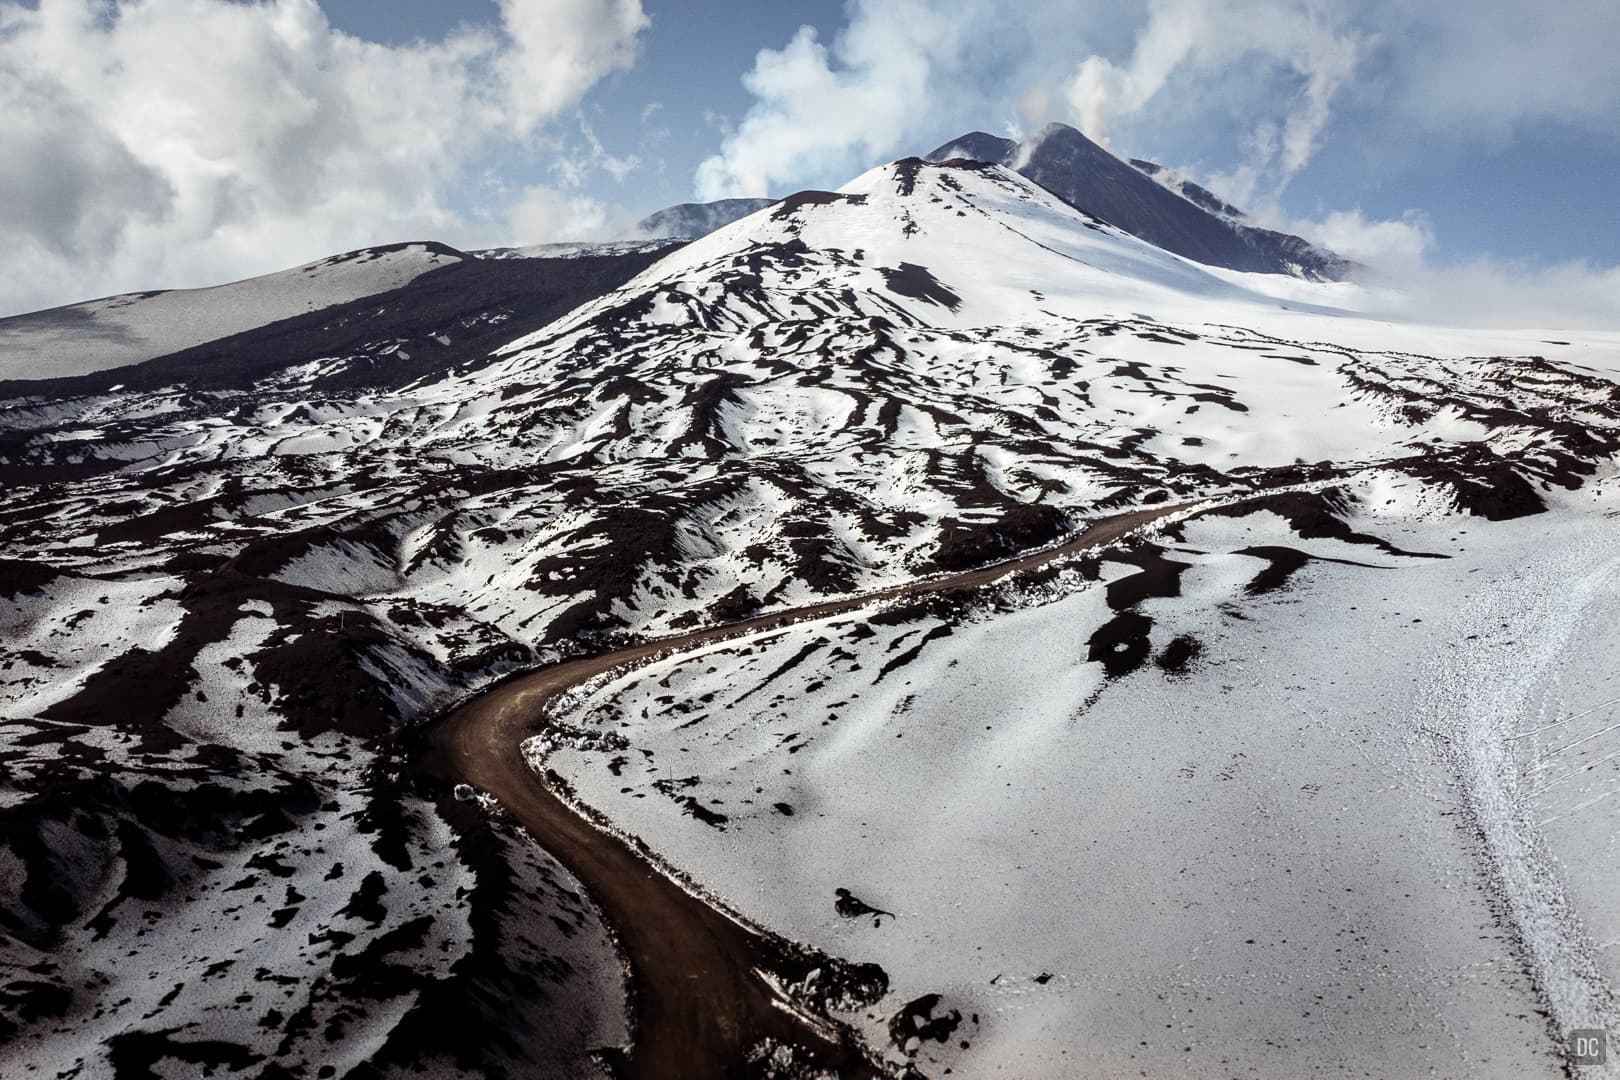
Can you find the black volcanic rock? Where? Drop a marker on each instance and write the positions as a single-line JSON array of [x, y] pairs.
[[444, 319], [237, 584], [977, 146], [688, 221], [1194, 224], [1198, 194]]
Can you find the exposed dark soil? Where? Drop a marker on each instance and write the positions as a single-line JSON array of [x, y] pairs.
[[1282, 564], [476, 303], [916, 282], [851, 906], [790, 206], [21, 576], [1315, 515], [1022, 526], [1124, 643], [1180, 655], [1480, 483], [919, 1020], [699, 1003]]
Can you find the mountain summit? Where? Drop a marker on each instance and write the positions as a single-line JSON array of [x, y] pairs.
[[1193, 223], [857, 557], [688, 221]]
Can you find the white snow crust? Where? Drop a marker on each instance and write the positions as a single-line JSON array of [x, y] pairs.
[[121, 330]]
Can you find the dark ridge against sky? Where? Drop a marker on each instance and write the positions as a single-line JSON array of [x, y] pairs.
[[170, 143]]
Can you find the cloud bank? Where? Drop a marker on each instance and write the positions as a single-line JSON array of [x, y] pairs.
[[1293, 53], [185, 142], [907, 69], [1275, 73], [162, 143], [822, 111], [1250, 89]]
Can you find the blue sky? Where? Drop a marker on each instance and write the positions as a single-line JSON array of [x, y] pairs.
[[689, 73], [163, 143], [1543, 193]]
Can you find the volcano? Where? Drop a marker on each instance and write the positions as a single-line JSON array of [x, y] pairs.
[[986, 619], [1187, 220]]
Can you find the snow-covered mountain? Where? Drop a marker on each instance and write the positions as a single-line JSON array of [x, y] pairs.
[[688, 221], [1299, 761], [1195, 193], [121, 330], [1175, 215], [377, 317]]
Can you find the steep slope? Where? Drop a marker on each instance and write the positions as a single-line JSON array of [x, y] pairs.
[[574, 249], [121, 330], [223, 603], [1298, 818], [1189, 223], [978, 146], [688, 221], [449, 317], [1195, 193]]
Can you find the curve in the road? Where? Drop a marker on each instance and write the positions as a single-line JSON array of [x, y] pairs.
[[699, 994]]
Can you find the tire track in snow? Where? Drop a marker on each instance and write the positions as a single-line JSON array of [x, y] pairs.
[[1511, 636]]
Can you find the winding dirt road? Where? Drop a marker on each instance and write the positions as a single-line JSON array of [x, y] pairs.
[[698, 996]]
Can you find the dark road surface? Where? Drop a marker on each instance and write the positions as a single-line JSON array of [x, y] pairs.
[[698, 999]]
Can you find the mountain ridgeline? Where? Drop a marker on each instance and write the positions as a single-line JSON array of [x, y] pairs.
[[688, 221], [246, 571], [1193, 223]]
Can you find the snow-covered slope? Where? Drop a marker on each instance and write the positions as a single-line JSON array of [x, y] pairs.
[[252, 587], [1176, 215], [1301, 829], [439, 321], [573, 250], [688, 221], [123, 330]]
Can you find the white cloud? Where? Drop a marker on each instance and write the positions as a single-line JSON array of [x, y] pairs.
[[1283, 71], [1404, 280], [1270, 77], [897, 69], [1386, 246], [162, 143], [1269, 80], [1390, 245], [561, 48], [1496, 67], [1300, 57], [719, 122], [901, 70], [1487, 292], [1101, 90], [546, 215], [807, 114], [599, 158]]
